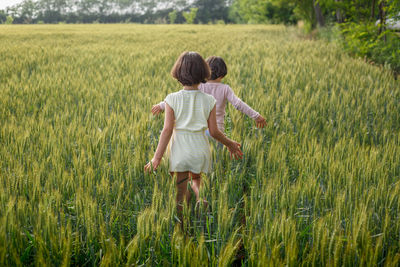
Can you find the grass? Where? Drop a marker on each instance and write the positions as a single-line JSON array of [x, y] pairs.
[[318, 186]]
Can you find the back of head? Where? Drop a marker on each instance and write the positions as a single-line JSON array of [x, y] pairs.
[[190, 68], [217, 66]]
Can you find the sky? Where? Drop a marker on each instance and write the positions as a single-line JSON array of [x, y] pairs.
[[7, 3]]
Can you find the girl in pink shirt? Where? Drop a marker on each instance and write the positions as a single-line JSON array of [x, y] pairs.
[[222, 93]]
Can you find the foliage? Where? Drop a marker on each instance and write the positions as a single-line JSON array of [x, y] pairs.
[[364, 40], [172, 16], [363, 37], [319, 186], [305, 11], [9, 20], [89, 11], [263, 11], [191, 15], [211, 10], [3, 16]]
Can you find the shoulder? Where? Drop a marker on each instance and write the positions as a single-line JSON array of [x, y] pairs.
[[206, 96], [204, 87], [171, 98], [215, 87], [228, 91], [209, 99], [227, 88], [173, 95]]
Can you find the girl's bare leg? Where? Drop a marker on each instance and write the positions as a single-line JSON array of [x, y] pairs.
[[195, 185], [195, 182], [182, 179]]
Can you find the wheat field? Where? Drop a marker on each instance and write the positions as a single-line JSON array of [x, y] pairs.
[[319, 186]]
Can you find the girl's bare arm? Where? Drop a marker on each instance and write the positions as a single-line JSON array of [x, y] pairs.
[[165, 136], [233, 146], [158, 108]]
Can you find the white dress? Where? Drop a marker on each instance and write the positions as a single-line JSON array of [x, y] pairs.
[[189, 149]]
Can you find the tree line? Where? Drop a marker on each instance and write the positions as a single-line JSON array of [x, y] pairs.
[[313, 12], [118, 11]]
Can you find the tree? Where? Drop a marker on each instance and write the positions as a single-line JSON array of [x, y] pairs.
[[382, 17], [88, 11], [318, 13], [172, 16], [211, 10], [373, 9], [3, 16], [311, 11], [263, 11], [9, 20], [190, 16], [305, 10], [339, 17]]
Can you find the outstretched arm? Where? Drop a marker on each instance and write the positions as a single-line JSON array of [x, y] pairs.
[[246, 109], [164, 139], [260, 122], [233, 146], [157, 109]]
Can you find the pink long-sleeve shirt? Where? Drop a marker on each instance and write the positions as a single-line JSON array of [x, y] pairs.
[[222, 93]]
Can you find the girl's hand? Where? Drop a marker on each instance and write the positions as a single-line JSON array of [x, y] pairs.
[[234, 150], [156, 109], [154, 162], [260, 122]]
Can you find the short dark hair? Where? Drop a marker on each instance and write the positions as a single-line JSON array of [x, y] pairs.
[[217, 66], [190, 68]]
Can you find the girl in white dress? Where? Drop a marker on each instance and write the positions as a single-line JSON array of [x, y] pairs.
[[188, 113]]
